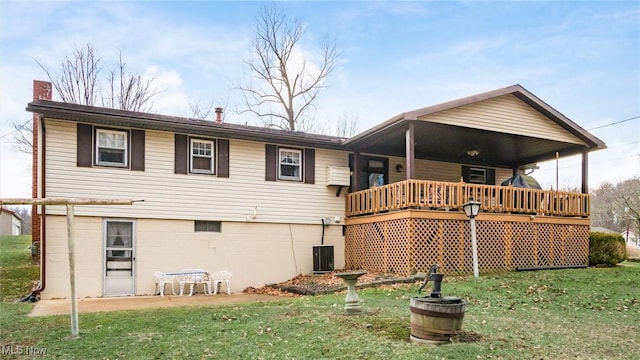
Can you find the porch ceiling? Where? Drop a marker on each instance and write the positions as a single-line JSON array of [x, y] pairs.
[[450, 143]]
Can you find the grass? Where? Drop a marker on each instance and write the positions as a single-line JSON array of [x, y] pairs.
[[589, 313], [17, 270]]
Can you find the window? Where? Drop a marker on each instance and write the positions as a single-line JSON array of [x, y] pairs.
[[123, 148], [193, 155], [202, 156], [111, 148], [290, 164], [207, 226], [119, 240], [477, 176], [287, 164]]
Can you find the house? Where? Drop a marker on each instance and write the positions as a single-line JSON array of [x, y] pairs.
[[267, 204], [631, 238], [10, 222]]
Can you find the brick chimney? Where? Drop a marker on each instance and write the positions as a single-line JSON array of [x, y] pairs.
[[41, 91], [218, 112]]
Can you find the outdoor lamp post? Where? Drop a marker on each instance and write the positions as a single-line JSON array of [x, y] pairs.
[[471, 209]]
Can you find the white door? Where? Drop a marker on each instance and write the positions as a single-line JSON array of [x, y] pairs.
[[119, 258]]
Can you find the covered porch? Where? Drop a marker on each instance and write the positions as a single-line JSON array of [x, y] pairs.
[[412, 174]]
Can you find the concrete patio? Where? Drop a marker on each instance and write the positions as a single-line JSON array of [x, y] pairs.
[[86, 305]]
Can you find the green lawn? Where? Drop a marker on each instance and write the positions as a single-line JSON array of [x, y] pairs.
[[589, 313], [17, 270]]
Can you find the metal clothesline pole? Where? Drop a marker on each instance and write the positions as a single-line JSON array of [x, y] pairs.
[[69, 203]]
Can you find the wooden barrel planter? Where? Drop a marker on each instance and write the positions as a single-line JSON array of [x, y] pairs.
[[436, 320]]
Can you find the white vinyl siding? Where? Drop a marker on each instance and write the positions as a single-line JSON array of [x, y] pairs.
[[504, 114], [173, 196], [437, 171]]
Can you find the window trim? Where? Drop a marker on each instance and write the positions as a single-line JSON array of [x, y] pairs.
[[477, 175], [300, 153], [212, 157], [489, 174], [125, 163]]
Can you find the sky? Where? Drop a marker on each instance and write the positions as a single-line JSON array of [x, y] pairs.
[[580, 57]]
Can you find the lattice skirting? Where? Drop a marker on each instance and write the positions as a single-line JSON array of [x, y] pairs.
[[406, 245]]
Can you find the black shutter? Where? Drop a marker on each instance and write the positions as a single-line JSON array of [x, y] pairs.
[[491, 176], [137, 150], [223, 158], [309, 166], [181, 163], [84, 146], [271, 163], [466, 173]]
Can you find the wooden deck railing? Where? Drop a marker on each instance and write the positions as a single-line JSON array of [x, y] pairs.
[[438, 195]]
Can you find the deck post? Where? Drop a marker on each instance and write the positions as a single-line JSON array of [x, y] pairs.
[[355, 172], [585, 171], [410, 151]]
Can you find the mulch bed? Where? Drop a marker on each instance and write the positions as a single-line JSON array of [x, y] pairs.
[[326, 283]]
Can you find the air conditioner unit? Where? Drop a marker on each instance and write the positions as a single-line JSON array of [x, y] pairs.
[[322, 259], [338, 176]]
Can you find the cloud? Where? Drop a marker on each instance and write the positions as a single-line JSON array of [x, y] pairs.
[[171, 97]]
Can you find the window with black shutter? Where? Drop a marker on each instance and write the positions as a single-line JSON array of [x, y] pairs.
[[109, 147], [289, 164], [198, 155]]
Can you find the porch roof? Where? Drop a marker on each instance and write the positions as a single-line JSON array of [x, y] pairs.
[[450, 140]]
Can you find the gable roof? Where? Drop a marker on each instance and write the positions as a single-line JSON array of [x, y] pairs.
[[445, 131], [516, 90], [11, 212]]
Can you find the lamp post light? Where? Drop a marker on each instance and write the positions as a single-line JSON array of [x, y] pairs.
[[471, 209]]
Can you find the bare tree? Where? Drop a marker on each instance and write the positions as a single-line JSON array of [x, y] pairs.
[[200, 112], [22, 136], [77, 81], [204, 112], [128, 91], [617, 206], [289, 84], [346, 126]]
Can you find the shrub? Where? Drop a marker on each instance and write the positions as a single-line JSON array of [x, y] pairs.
[[607, 249]]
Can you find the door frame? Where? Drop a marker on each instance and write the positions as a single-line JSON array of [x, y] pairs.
[[105, 222], [365, 170]]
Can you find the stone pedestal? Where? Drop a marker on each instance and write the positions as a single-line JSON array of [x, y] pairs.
[[352, 302]]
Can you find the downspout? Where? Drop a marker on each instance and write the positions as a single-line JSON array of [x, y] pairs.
[[35, 292]]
